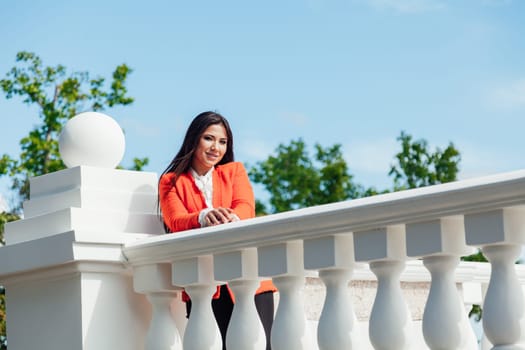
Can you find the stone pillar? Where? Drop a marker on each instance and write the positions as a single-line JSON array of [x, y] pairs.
[[67, 283]]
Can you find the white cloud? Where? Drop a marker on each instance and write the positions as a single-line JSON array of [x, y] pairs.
[[497, 2], [295, 119], [252, 149], [371, 156], [406, 6], [510, 95], [478, 161], [315, 4], [370, 161], [141, 128]]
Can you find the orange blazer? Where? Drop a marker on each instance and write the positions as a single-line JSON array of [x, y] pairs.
[[181, 203]]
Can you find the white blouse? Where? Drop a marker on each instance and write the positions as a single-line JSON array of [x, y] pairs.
[[205, 184]]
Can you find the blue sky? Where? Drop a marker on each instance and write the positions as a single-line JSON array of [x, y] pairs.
[[352, 72]]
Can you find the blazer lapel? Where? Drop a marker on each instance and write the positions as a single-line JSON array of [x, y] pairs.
[[216, 200], [196, 195]]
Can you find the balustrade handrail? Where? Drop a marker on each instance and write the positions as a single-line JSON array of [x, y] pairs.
[[409, 206]]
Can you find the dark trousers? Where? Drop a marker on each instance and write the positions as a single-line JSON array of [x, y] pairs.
[[223, 308]]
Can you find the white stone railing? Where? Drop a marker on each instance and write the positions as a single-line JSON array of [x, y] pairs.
[[436, 224], [90, 268]]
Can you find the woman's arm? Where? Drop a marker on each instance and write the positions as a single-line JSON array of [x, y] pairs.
[[174, 212]]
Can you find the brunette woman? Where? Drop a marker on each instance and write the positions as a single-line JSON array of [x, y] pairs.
[[203, 186]]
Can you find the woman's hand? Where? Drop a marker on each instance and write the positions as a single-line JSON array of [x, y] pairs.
[[219, 216]]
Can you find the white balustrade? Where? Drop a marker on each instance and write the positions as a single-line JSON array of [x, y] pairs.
[[504, 308], [445, 318], [163, 329], [337, 322], [390, 324], [284, 263], [196, 275], [425, 223], [154, 280], [441, 242], [501, 233], [333, 256], [87, 227], [390, 320], [239, 268]]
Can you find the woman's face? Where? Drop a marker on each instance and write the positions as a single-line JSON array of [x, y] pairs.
[[210, 149]]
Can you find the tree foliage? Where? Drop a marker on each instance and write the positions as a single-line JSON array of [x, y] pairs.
[[417, 166], [5, 217], [294, 180], [58, 96]]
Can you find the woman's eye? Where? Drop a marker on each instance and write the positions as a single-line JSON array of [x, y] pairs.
[[223, 142], [208, 138]]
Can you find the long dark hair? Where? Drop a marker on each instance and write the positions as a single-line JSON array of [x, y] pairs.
[[182, 161]]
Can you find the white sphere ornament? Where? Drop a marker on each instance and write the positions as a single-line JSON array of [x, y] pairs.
[[92, 139]]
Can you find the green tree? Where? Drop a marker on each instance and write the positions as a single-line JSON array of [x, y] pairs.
[[417, 166], [295, 181], [5, 217], [58, 96]]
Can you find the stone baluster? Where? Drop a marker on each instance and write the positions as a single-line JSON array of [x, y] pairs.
[[154, 280], [485, 343], [501, 234], [333, 256], [284, 263], [196, 275], [472, 292], [441, 243], [239, 268], [390, 325]]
